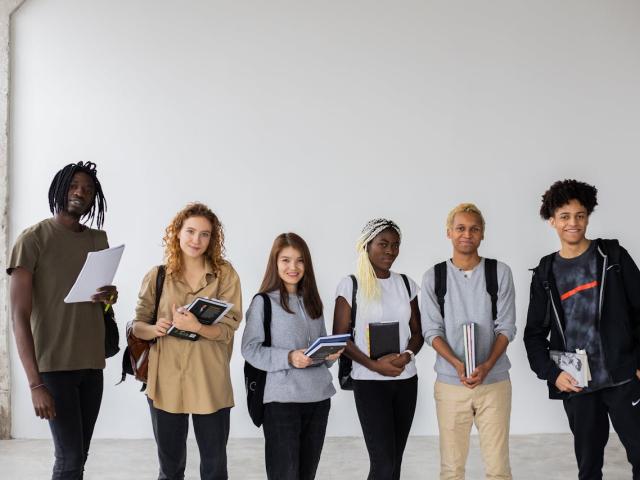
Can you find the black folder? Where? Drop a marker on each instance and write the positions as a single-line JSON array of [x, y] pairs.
[[384, 338]]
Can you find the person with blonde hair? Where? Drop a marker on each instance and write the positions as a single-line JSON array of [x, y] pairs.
[[470, 289], [385, 388], [190, 377]]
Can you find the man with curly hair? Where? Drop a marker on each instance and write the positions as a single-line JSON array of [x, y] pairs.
[[62, 345], [586, 296]]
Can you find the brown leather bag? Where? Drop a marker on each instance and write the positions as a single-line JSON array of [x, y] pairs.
[[135, 360]]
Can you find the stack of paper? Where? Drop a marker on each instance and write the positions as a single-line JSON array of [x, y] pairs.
[[469, 334]]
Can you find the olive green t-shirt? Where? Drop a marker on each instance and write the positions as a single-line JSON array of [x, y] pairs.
[[66, 336]]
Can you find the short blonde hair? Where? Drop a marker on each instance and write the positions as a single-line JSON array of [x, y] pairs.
[[464, 208]]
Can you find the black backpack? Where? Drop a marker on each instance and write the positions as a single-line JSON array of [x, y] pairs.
[[490, 276], [254, 378], [345, 364]]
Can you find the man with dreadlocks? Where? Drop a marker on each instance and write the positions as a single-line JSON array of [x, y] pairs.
[[61, 345]]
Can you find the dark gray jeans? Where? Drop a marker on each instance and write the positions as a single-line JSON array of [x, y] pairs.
[[212, 433], [294, 436], [77, 395]]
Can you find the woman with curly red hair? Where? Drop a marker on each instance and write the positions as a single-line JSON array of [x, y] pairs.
[[190, 377]]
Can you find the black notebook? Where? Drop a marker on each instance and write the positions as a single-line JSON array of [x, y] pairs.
[[207, 311], [384, 338]]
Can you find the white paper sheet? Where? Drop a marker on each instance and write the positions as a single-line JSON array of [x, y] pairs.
[[98, 270]]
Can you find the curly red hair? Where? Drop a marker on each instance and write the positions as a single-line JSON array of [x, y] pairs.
[[172, 252]]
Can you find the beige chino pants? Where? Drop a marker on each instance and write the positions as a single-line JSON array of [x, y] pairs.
[[458, 407]]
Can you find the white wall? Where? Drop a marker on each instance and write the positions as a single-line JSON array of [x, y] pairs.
[[314, 117]]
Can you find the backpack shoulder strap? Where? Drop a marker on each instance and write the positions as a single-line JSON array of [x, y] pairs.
[[159, 286], [266, 302], [440, 287], [406, 284], [611, 249], [544, 270], [491, 280], [354, 305]]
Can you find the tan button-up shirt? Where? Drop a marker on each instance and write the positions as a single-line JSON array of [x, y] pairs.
[[186, 376]]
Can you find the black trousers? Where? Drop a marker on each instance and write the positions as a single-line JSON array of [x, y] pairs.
[[385, 409], [293, 437], [589, 421], [212, 433], [77, 395]]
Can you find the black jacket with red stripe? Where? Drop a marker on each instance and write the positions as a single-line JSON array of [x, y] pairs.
[[618, 320]]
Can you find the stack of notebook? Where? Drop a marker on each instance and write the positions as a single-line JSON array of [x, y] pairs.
[[469, 334]]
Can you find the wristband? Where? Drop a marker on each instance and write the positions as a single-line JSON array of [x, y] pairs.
[[411, 354], [37, 386]]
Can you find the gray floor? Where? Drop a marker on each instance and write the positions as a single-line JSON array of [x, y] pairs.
[[533, 457]]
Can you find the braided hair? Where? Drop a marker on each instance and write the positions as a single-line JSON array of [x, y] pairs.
[[59, 192], [365, 273]]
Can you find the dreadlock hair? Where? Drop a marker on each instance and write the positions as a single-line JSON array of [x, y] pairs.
[[365, 273], [59, 192], [563, 191]]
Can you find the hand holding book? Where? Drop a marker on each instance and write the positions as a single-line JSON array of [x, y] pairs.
[[566, 383], [477, 376], [184, 320], [298, 359], [386, 365]]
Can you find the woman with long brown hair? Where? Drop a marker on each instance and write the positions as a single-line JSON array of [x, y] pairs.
[[190, 377], [297, 391]]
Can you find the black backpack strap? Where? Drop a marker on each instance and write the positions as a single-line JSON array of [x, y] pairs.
[[266, 302], [544, 271], [406, 284], [611, 249], [440, 286], [159, 286], [354, 305], [491, 279]]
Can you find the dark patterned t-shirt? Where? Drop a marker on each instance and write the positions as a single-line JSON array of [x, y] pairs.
[[579, 287]]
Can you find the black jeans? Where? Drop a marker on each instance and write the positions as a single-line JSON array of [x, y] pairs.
[[77, 395], [385, 409], [294, 436], [212, 433], [589, 421]]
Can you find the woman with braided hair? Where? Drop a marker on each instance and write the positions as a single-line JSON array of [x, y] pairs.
[[385, 388]]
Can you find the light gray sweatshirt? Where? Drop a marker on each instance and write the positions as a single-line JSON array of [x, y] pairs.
[[467, 300], [289, 331]]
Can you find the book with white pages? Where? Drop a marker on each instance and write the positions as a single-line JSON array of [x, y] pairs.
[[469, 339], [322, 347], [575, 364]]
